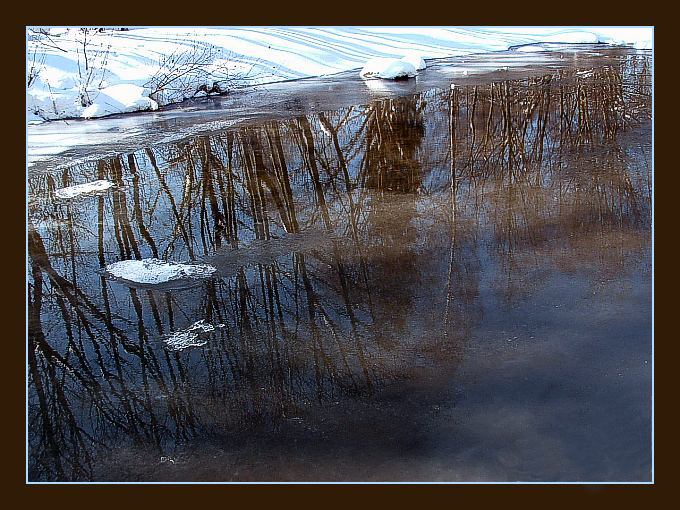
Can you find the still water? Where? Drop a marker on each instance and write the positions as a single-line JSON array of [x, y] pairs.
[[442, 284]]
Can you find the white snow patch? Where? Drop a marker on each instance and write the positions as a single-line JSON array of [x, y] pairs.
[[70, 192], [638, 37], [572, 37], [154, 271], [388, 69], [193, 336], [415, 60], [121, 98]]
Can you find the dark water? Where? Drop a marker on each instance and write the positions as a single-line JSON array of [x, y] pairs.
[[451, 284]]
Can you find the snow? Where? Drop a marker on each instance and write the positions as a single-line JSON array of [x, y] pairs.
[[193, 336], [154, 271], [77, 190], [640, 38], [90, 73], [388, 69], [124, 97], [416, 61], [575, 37]]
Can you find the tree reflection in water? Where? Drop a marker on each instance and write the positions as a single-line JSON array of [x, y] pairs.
[[385, 215]]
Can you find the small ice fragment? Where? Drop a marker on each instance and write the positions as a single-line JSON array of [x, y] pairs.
[[155, 271], [189, 337], [82, 189]]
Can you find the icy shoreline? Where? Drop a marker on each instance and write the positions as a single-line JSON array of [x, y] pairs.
[[76, 73]]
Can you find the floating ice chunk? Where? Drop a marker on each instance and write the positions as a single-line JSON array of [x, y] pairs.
[[415, 60], [82, 189], [120, 98], [155, 271], [388, 69], [193, 336]]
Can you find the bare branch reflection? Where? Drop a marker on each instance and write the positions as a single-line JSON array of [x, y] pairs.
[[349, 244]]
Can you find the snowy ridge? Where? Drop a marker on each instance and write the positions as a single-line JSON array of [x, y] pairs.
[[77, 73]]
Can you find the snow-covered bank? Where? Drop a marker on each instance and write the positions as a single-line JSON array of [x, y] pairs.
[[91, 73]]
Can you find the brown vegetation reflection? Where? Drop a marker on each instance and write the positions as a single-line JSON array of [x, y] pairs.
[[384, 215]]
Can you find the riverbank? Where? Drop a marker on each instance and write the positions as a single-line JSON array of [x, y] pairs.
[[89, 73], [58, 144]]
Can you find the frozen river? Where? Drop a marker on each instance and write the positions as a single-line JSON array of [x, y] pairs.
[[413, 281]]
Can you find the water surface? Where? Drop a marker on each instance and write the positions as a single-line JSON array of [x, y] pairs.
[[446, 283]]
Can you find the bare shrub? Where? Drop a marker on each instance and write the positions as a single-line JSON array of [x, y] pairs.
[[92, 48], [198, 68], [92, 65], [33, 67]]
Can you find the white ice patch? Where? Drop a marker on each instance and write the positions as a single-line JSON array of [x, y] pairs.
[[154, 271], [83, 189], [388, 69], [193, 336]]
